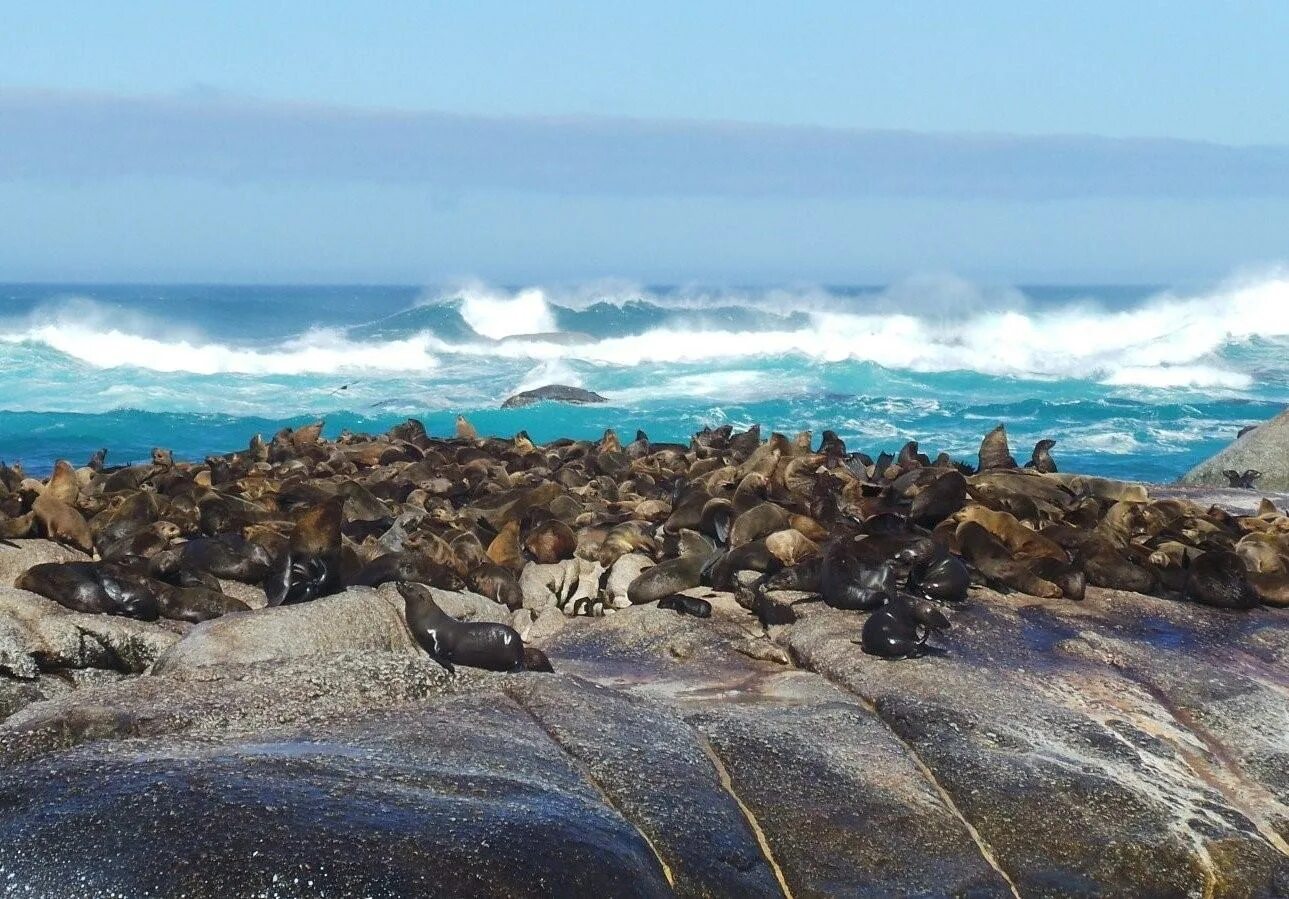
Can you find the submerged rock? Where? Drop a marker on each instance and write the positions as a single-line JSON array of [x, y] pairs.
[[553, 393]]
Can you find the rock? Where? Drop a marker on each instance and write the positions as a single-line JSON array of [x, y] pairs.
[[250, 594], [236, 699], [553, 393], [626, 569], [463, 605], [762, 650], [23, 554], [693, 824], [1264, 449], [1057, 729], [16, 694], [37, 634], [547, 586], [546, 624], [1124, 745], [467, 796], [360, 618]]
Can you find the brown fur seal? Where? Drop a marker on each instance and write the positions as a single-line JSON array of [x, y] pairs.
[[899, 629], [63, 484], [1242, 480], [995, 452], [549, 542], [1219, 578], [938, 500], [672, 576], [686, 605], [992, 559], [465, 430], [496, 583], [61, 523]]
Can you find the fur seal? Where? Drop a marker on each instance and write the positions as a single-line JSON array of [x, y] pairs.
[[847, 583], [899, 629], [686, 605], [1219, 578], [993, 560], [465, 430], [937, 574], [62, 523], [496, 583], [995, 452], [1242, 480], [474, 644], [83, 587], [669, 577], [1041, 459], [938, 500]]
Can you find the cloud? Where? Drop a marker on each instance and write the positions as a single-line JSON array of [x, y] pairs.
[[206, 135]]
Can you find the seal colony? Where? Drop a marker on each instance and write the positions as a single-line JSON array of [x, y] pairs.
[[899, 539]]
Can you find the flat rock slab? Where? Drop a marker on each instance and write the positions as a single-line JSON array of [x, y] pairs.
[[453, 799], [1066, 751]]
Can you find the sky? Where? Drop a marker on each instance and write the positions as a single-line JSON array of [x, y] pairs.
[[824, 142]]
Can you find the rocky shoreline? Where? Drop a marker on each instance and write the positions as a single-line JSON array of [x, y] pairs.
[[1123, 744]]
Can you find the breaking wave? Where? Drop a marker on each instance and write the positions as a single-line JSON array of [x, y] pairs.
[[941, 325]]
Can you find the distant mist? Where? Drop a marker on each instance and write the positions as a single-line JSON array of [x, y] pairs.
[[51, 135]]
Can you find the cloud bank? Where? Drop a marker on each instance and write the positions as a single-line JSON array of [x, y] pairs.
[[51, 135]]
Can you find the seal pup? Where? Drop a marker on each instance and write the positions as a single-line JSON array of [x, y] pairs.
[[474, 644], [899, 629], [847, 583], [686, 605], [936, 573]]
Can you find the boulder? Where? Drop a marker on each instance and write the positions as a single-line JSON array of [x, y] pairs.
[[1264, 449], [37, 634], [553, 393], [360, 618], [22, 554]]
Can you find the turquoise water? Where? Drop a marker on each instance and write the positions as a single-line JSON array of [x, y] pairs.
[[1131, 381]]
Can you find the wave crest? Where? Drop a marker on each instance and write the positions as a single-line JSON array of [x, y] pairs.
[[936, 325]]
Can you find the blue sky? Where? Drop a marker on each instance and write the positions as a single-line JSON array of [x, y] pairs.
[[748, 142]]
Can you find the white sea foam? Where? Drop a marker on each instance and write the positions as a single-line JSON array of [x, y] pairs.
[[498, 314], [1169, 341]]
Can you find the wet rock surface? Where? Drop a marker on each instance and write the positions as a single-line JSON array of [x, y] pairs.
[[1124, 745]]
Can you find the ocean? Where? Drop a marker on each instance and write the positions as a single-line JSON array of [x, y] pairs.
[[1131, 381]]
